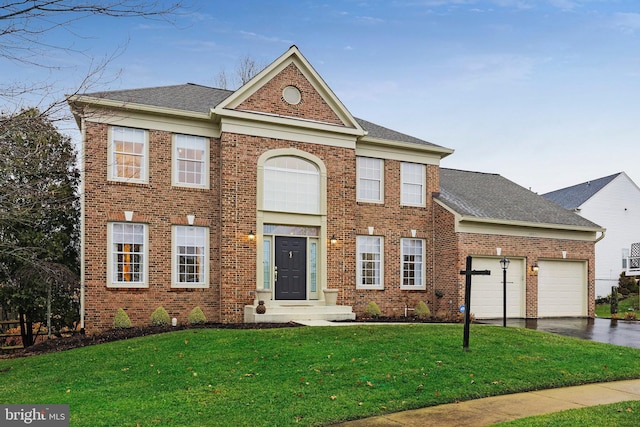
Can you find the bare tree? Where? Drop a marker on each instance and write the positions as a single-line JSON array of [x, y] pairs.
[[245, 70]]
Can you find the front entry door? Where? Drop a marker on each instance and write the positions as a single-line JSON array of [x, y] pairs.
[[291, 268]]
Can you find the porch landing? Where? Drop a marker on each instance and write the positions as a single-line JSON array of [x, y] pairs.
[[283, 312]]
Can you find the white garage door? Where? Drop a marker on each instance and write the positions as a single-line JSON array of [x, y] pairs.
[[487, 291], [562, 289]]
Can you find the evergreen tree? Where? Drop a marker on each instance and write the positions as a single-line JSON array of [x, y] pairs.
[[39, 217]]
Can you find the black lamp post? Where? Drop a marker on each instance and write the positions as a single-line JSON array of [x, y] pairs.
[[504, 263]]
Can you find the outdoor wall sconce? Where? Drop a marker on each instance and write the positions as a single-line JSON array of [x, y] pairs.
[[534, 269], [333, 240], [252, 235]]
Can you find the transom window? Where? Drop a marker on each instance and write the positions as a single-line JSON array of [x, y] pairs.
[[370, 183], [190, 256], [128, 154], [291, 184], [412, 176], [369, 258], [128, 254], [190, 161], [412, 254]]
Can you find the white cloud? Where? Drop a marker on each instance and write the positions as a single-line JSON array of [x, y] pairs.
[[626, 22], [261, 37]]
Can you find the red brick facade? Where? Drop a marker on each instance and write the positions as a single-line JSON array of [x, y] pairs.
[[229, 210]]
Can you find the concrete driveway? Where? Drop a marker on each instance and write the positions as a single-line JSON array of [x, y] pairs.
[[618, 332]]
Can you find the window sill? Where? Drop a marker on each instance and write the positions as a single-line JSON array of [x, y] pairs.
[[127, 285]]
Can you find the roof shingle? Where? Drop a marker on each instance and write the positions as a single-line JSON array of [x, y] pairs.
[[491, 196]]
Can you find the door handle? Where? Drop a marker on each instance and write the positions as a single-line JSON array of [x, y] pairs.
[[275, 274]]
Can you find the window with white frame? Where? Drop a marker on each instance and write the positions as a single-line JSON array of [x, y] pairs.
[[128, 157], [412, 176], [291, 184], [370, 179], [190, 161], [127, 255], [369, 259], [190, 256], [412, 258]]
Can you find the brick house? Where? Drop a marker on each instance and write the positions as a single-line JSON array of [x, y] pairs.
[[195, 196]]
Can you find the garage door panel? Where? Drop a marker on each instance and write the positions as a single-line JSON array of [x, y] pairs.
[[562, 289], [487, 291]]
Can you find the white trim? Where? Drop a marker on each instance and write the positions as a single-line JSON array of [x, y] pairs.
[[145, 258], [423, 184], [111, 160], [174, 260], [381, 180], [423, 285], [174, 162], [359, 284]]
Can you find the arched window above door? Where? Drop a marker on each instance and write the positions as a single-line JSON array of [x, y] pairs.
[[291, 184]]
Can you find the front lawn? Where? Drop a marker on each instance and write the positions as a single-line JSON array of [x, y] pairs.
[[629, 304], [302, 376], [622, 414]]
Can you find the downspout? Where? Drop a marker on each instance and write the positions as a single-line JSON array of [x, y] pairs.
[[601, 236], [82, 222]]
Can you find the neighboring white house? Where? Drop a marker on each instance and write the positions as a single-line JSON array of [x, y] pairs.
[[613, 202]]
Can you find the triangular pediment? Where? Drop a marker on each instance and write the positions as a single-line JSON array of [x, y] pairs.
[[289, 89]]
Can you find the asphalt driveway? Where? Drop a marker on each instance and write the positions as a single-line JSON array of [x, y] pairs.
[[618, 332]]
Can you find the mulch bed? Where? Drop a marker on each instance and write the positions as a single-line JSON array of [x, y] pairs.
[[83, 340]]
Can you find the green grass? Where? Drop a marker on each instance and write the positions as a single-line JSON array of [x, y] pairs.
[[623, 414], [302, 376], [604, 310]]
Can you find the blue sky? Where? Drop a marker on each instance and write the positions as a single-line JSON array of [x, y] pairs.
[[543, 92]]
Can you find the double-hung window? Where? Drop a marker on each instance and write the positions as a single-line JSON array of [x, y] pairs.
[[412, 263], [190, 161], [128, 155], [128, 255], [370, 262], [370, 179], [190, 257], [413, 184]]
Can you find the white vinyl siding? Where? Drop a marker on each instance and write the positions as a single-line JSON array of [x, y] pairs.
[[413, 183], [369, 259], [370, 179]]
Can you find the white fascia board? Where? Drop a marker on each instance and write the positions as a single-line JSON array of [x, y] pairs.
[[370, 144], [468, 224], [288, 129], [291, 56], [189, 124], [401, 151]]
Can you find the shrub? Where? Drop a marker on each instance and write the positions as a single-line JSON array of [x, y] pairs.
[[630, 315], [121, 321], [197, 317], [372, 309], [160, 317], [422, 310]]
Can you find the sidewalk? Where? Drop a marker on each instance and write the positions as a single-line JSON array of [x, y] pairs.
[[492, 410]]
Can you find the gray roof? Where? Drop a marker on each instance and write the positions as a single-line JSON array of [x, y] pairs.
[[573, 197], [201, 99], [490, 196]]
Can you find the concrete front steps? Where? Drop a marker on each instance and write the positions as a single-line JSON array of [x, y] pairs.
[[288, 311]]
